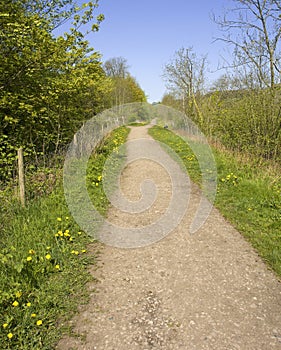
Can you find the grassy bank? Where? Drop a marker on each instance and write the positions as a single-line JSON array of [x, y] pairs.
[[44, 260], [249, 195]]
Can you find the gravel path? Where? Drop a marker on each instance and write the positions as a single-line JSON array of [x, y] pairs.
[[209, 290]]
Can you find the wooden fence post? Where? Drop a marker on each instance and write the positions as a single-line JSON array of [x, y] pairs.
[[21, 176]]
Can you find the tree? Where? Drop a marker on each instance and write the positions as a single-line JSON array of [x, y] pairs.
[[46, 81], [251, 119], [116, 67], [185, 76], [134, 93], [125, 87], [253, 28]]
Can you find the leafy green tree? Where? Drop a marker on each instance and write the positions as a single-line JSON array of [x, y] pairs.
[[125, 87], [49, 84]]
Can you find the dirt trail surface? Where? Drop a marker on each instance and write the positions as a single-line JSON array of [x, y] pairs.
[[209, 290]]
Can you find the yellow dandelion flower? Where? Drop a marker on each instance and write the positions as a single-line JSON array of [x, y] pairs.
[[57, 266], [18, 294], [79, 233], [83, 251], [5, 325], [33, 315], [39, 322], [31, 251], [59, 219], [10, 335], [66, 218], [28, 304], [29, 258], [15, 303], [71, 239], [97, 184], [48, 256]]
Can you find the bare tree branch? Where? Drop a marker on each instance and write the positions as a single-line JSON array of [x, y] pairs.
[[253, 28]]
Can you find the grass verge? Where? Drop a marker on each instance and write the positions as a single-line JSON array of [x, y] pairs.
[[248, 196], [43, 261], [104, 166]]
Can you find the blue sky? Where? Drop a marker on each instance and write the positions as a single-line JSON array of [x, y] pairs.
[[147, 33]]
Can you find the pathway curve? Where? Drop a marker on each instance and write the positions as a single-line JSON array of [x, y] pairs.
[[209, 290]]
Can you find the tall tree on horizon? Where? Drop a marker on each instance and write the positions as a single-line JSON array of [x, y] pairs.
[[125, 87], [185, 77]]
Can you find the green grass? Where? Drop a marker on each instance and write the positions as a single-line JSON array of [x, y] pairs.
[[44, 261], [99, 171], [181, 149], [248, 196]]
